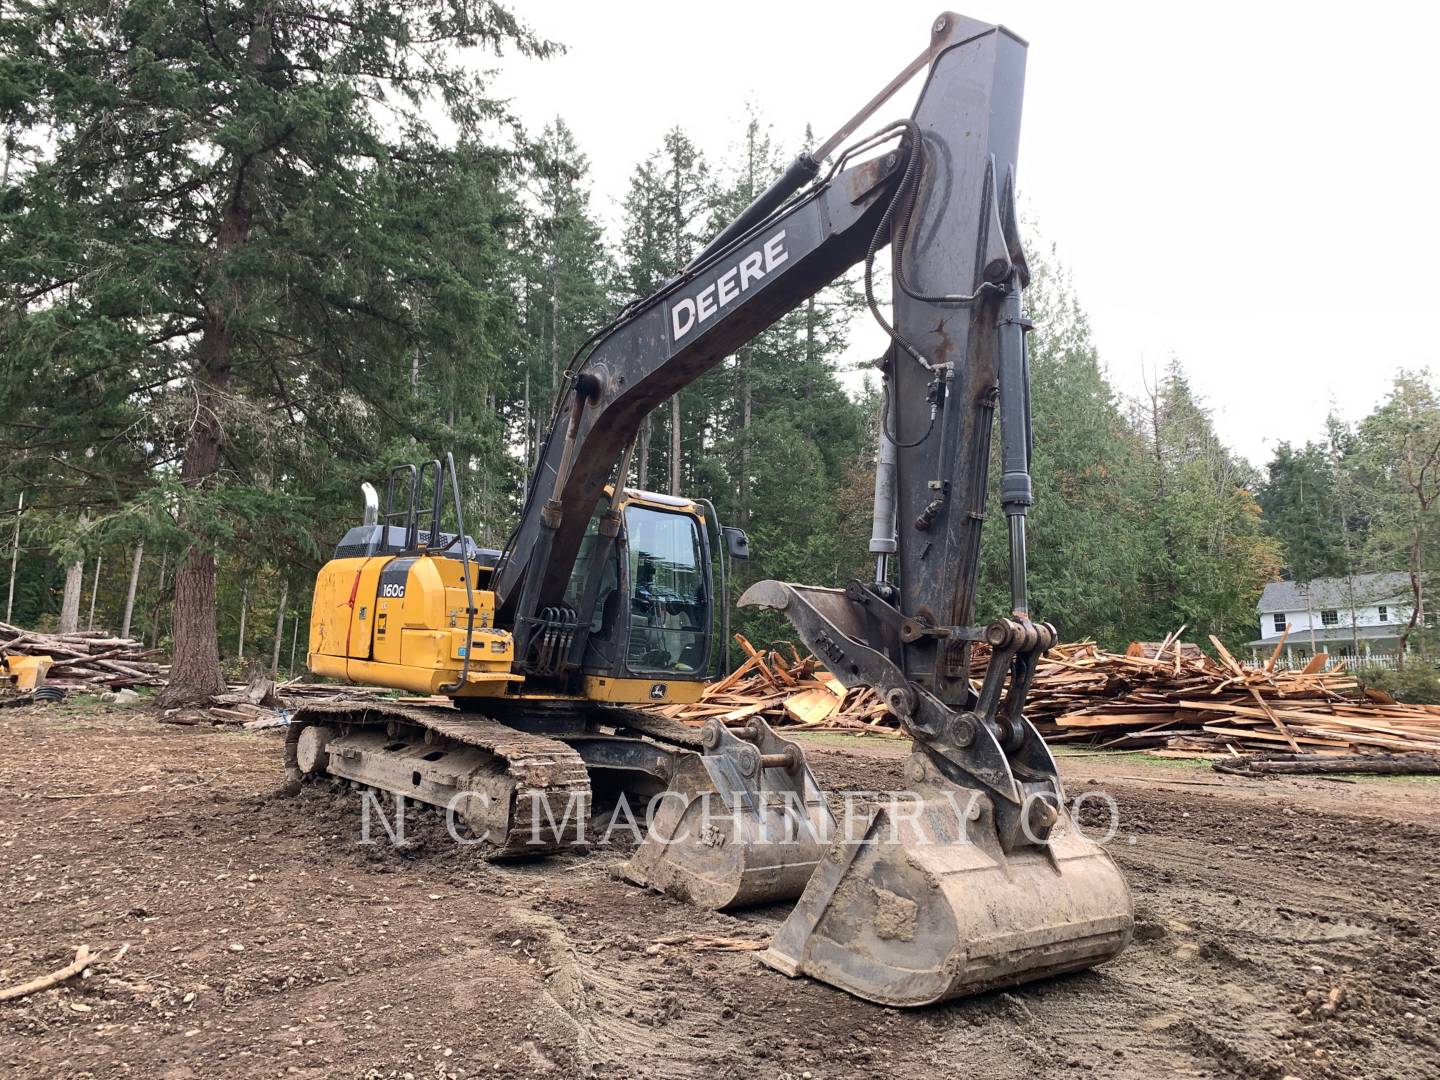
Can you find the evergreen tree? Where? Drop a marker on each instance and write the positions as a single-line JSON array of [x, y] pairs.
[[1302, 510], [568, 271], [1088, 525], [1209, 557], [1395, 461], [665, 215], [231, 229]]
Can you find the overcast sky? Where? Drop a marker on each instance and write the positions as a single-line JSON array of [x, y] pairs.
[[1251, 188]]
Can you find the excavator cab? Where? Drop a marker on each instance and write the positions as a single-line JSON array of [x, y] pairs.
[[649, 599], [655, 606]]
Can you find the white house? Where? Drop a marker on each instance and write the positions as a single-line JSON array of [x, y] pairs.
[[1361, 616]]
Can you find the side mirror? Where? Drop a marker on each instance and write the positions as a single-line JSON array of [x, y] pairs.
[[736, 542]]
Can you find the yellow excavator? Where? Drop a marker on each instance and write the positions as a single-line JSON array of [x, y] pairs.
[[605, 599]]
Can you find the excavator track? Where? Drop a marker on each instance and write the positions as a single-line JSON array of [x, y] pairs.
[[517, 792]]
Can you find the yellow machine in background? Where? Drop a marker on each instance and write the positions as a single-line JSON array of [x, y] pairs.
[[24, 673]]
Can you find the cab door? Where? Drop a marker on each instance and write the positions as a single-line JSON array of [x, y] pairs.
[[668, 601]]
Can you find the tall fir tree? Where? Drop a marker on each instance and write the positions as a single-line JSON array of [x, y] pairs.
[[232, 217], [568, 272], [665, 217]]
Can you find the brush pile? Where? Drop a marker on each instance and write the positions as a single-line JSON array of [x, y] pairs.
[[787, 690], [1190, 705], [1167, 697], [87, 661]]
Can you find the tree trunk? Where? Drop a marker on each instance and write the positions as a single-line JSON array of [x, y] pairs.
[[1417, 600], [159, 604], [1310, 614], [642, 475], [94, 592], [130, 592], [525, 415], [70, 602], [195, 661], [554, 333], [279, 629], [14, 558], [74, 586], [195, 673], [675, 432], [244, 611], [811, 352], [294, 641], [744, 358]]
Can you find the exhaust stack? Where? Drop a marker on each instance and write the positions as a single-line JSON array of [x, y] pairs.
[[372, 504]]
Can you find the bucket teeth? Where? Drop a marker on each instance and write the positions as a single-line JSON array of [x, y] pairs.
[[743, 823], [920, 904]]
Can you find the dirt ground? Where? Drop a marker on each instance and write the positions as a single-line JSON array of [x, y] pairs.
[[263, 940]]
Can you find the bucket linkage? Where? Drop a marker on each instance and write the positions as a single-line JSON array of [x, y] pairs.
[[972, 877]]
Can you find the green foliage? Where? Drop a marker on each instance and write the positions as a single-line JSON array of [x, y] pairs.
[[1088, 538], [1301, 502], [666, 212], [238, 265], [1210, 556], [1417, 683]]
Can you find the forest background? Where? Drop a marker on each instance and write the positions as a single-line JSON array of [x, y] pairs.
[[252, 252]]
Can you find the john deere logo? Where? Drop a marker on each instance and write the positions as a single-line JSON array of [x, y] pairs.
[[657, 692]]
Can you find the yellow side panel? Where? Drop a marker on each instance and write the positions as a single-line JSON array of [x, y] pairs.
[[634, 691], [412, 641], [428, 680], [425, 649], [344, 606], [420, 608]]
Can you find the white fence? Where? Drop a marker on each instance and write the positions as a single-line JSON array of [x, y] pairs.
[[1352, 663]]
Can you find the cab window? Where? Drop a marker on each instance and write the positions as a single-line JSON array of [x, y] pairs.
[[603, 616], [669, 605]]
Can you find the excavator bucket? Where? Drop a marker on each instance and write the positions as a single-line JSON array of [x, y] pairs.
[[741, 823], [915, 902]]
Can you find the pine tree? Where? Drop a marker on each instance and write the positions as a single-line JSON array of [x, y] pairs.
[[231, 228], [1302, 510], [665, 213], [1209, 557], [1088, 524], [568, 271]]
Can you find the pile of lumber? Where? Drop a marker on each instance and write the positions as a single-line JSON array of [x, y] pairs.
[[1167, 697], [788, 690], [1190, 704], [87, 661]]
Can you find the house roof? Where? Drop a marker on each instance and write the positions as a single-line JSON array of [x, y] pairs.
[[1334, 592], [1343, 633]]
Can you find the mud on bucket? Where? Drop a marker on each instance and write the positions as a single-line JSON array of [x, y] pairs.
[[917, 903], [744, 823]]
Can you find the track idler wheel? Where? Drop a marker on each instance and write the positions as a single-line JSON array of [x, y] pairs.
[[743, 823]]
